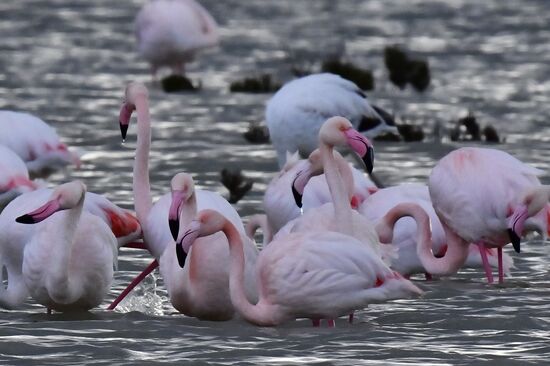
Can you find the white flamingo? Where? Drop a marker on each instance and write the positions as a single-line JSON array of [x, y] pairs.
[[296, 112], [171, 32], [122, 224], [155, 219], [312, 275], [68, 261], [36, 143]]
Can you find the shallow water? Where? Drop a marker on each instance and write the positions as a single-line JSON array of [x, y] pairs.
[[69, 62]]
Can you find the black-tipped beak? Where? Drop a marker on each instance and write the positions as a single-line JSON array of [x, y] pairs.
[[123, 130], [368, 159], [297, 196], [515, 239], [174, 228], [181, 254], [25, 219]]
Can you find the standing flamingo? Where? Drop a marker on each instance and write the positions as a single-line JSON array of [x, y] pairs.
[[14, 178], [302, 275], [171, 32], [407, 261], [298, 110], [68, 262], [35, 142], [485, 196], [15, 237], [338, 131], [154, 218]]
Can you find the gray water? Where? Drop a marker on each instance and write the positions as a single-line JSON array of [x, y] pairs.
[[68, 62]]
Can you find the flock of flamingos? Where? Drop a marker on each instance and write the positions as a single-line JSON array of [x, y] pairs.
[[333, 242]]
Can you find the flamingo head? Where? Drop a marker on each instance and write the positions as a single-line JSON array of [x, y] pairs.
[[338, 131], [207, 222], [64, 197], [134, 91], [308, 168], [183, 188]]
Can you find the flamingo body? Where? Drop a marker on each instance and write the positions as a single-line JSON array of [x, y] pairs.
[[36, 143], [297, 111], [171, 32]]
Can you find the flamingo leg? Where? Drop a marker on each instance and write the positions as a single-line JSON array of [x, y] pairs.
[[500, 268], [150, 268], [331, 323], [49, 311], [350, 318], [428, 276], [488, 269], [316, 322]]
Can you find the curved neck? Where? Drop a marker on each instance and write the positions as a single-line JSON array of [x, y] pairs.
[[253, 313], [340, 199], [457, 251], [346, 174], [141, 186], [188, 211], [61, 285], [259, 221]]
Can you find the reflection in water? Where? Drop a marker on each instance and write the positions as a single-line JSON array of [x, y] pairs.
[[68, 62]]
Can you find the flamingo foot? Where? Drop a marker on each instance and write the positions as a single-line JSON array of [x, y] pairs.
[[49, 311], [135, 245]]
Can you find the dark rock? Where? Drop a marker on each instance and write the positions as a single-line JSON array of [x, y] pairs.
[[411, 132], [177, 83], [260, 84], [388, 136], [257, 134], [361, 77], [472, 127], [237, 184], [491, 134], [405, 70]]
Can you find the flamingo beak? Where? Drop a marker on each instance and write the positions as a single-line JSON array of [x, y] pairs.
[[299, 184], [362, 146], [124, 118], [173, 213], [41, 213], [516, 223], [184, 244]]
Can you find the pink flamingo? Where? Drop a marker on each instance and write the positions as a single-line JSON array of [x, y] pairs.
[[15, 238], [407, 261], [482, 196], [36, 143], [14, 179], [60, 270], [312, 275], [338, 131], [158, 219], [171, 32]]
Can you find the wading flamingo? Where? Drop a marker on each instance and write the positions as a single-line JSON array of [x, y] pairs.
[[171, 32], [124, 226], [68, 262], [312, 275], [407, 261], [486, 197], [157, 227], [338, 131], [297, 111], [36, 143]]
